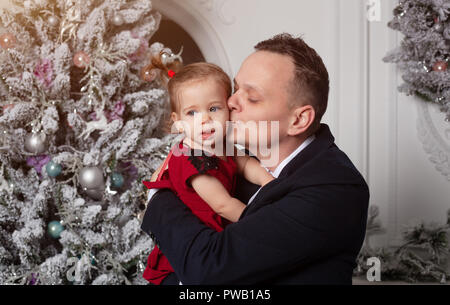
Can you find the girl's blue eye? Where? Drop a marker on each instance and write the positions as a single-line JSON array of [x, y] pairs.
[[191, 112], [214, 109]]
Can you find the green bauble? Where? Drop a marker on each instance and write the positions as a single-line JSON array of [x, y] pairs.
[[55, 228], [116, 180], [53, 169]]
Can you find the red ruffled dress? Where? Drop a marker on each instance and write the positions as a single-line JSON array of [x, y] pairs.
[[185, 162]]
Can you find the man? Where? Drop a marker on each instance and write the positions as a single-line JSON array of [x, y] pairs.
[[305, 227]]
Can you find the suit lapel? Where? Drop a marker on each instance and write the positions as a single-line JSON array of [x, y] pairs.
[[324, 139]]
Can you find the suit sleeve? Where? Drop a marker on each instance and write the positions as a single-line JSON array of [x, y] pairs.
[[304, 226]]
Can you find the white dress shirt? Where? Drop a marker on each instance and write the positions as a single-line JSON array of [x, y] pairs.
[[283, 163]]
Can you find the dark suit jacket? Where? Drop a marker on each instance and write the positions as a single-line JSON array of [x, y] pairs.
[[305, 227]]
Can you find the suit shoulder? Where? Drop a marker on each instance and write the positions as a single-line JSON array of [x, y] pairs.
[[332, 166]]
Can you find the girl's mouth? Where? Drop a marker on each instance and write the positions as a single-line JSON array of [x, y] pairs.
[[207, 134]]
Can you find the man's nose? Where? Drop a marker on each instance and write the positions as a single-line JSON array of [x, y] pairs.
[[233, 103]]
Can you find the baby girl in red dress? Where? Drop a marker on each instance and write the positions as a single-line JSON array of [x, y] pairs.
[[197, 168]]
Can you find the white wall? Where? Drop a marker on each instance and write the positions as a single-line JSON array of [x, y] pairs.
[[390, 137]]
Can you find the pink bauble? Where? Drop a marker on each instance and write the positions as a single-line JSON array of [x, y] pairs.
[[7, 41], [81, 59], [440, 66]]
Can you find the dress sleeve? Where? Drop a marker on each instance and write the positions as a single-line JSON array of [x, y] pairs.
[[193, 165]]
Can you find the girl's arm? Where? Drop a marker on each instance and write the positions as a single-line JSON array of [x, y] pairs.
[[214, 193], [252, 170]]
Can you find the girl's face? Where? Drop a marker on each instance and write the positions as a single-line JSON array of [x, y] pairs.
[[202, 111]]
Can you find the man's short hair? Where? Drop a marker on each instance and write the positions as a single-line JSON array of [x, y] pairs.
[[310, 85]]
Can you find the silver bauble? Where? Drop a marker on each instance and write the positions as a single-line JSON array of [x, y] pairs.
[[165, 58], [91, 177], [96, 194], [118, 20], [35, 143]]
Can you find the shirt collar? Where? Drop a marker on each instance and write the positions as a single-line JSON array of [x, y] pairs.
[[280, 166]]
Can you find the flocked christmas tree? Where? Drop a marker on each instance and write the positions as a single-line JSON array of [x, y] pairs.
[[83, 100], [424, 53]]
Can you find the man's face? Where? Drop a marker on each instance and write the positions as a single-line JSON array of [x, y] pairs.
[[261, 94]]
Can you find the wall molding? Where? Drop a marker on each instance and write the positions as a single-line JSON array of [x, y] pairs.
[[201, 31], [216, 6], [436, 145], [350, 112]]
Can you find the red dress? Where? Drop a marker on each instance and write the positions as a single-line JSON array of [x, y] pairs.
[[183, 164]]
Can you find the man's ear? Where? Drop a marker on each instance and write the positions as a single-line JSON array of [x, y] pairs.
[[300, 120], [176, 126]]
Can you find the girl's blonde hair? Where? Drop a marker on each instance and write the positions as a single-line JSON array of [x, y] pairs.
[[195, 72]]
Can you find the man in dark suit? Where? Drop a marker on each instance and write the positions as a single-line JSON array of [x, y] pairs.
[[306, 226]]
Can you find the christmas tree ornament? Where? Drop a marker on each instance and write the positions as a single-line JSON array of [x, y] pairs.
[[36, 143], [164, 57], [53, 169], [81, 59], [118, 19], [7, 41], [440, 66], [116, 180], [91, 177], [140, 215], [108, 188], [55, 228], [96, 194], [53, 21], [149, 74]]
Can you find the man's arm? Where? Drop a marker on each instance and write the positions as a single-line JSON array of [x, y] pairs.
[[306, 225]]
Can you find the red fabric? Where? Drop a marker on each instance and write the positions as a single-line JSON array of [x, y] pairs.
[[180, 169]]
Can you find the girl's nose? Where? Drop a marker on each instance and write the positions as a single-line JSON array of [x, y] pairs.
[[205, 117]]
